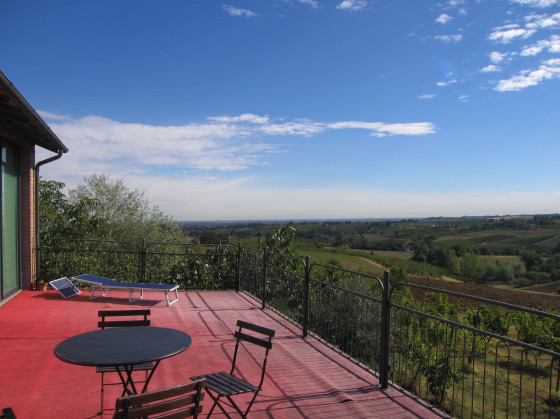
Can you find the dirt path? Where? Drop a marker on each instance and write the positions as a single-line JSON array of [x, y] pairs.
[[371, 262]]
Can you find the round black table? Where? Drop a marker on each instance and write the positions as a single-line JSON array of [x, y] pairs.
[[122, 348]]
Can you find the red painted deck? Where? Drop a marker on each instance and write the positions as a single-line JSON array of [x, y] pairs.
[[305, 379]]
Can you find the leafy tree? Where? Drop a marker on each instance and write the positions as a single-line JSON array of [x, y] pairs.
[[60, 218], [127, 213], [280, 240], [470, 267], [532, 260], [78, 229]]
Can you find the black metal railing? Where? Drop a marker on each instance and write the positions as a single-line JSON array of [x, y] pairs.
[[483, 360]]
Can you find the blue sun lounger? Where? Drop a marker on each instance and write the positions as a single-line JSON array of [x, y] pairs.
[[100, 283]]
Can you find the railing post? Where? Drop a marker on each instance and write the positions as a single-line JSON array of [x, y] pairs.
[[264, 271], [238, 278], [307, 276], [143, 262], [385, 331]]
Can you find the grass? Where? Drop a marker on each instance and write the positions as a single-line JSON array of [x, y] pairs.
[[350, 262], [501, 258]]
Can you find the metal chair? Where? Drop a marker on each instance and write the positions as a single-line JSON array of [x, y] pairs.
[[223, 384], [132, 318], [7, 413], [176, 402]]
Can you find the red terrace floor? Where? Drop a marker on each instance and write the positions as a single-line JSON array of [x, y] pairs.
[[305, 379]]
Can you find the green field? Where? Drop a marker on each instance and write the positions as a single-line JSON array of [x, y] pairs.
[[485, 250], [350, 262]]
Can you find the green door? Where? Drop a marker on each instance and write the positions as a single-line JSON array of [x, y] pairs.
[[10, 223]]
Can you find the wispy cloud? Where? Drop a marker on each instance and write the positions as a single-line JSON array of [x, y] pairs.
[[447, 39], [490, 69], [313, 3], [506, 35], [234, 11], [443, 18], [549, 69], [551, 45], [497, 57], [537, 3], [52, 116], [223, 143], [542, 21], [380, 129], [445, 83], [428, 96], [352, 5]]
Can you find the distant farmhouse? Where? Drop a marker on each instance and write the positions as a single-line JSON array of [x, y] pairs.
[[21, 129]]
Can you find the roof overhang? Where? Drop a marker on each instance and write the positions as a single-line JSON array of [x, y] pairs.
[[20, 123]]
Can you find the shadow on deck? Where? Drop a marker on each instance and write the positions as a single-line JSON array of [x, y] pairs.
[[305, 378]]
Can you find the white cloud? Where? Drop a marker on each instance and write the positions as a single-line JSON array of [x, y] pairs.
[[380, 129], [443, 18], [52, 116], [247, 117], [449, 38], [352, 5], [445, 83], [548, 70], [464, 98], [497, 57], [429, 96], [537, 3], [552, 45], [530, 51], [224, 143], [313, 3], [234, 11], [505, 36], [490, 69], [454, 3], [542, 21]]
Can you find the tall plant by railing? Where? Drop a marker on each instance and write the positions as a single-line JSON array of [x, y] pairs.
[[109, 258], [345, 310], [487, 359], [191, 266]]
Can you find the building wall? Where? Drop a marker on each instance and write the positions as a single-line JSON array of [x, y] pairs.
[[27, 216]]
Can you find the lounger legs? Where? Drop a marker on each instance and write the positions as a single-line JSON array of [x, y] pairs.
[[167, 297], [93, 289]]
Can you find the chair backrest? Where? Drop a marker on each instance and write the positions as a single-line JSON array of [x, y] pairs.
[[8, 413], [142, 319], [176, 402], [261, 336]]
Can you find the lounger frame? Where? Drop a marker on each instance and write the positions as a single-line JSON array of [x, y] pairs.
[[98, 283]]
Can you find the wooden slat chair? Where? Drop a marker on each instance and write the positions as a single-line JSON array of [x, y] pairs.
[[223, 384], [126, 318], [176, 402], [7, 413]]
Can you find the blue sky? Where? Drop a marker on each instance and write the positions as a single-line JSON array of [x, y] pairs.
[[287, 109]]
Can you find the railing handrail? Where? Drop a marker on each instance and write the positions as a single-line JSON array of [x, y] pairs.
[[305, 277]]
